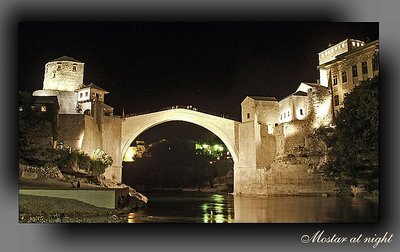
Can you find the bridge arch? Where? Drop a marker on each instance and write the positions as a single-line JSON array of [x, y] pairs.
[[225, 129]]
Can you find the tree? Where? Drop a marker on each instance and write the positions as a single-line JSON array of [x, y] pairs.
[[100, 161], [353, 157]]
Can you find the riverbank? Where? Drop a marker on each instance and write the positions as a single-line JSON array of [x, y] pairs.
[[40, 209]]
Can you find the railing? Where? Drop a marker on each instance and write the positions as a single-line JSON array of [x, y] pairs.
[[188, 107]]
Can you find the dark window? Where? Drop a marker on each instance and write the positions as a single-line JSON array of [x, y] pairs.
[[344, 76], [364, 67], [354, 71], [375, 64], [80, 95], [87, 93], [58, 67], [74, 68], [281, 116], [335, 80], [248, 115], [301, 111], [288, 113], [336, 100], [284, 115]]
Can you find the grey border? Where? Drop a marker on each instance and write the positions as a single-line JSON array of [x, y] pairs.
[[26, 237]]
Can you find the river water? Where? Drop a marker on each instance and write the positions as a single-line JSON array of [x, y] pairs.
[[196, 207]]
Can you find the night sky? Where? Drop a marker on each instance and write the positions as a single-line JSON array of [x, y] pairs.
[[212, 66]]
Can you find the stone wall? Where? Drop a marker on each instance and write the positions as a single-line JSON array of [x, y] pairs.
[[111, 135], [34, 172], [71, 130], [67, 100], [107, 198]]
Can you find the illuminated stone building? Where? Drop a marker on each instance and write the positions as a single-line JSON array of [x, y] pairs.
[[63, 78], [344, 65]]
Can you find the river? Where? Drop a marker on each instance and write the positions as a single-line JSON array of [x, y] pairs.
[[196, 207]]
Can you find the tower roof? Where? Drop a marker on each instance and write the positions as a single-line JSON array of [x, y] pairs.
[[66, 58]]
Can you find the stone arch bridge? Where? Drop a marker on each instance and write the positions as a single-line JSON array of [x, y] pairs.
[[253, 145], [226, 129]]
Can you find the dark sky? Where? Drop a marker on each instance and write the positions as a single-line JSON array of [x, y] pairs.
[[212, 66]]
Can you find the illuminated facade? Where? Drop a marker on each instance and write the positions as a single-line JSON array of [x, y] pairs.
[[344, 65]]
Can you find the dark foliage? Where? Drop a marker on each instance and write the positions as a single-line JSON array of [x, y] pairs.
[[354, 142], [175, 165]]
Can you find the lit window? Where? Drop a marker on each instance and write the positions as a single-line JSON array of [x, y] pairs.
[[344, 76], [86, 93], [248, 115], [358, 44], [43, 108], [353, 43], [335, 80], [364, 67], [354, 71], [74, 68], [301, 111], [343, 45], [33, 108], [336, 100]]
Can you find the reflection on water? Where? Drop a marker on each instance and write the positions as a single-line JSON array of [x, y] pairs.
[[217, 211], [304, 209], [184, 207]]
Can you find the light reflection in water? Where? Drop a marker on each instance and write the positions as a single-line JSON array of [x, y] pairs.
[[213, 212], [131, 218], [220, 208]]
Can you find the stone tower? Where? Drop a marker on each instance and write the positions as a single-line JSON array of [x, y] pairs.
[[63, 74], [62, 78]]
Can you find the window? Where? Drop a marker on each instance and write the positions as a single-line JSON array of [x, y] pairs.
[[336, 100], [248, 115], [80, 95], [354, 71], [58, 67], [301, 111], [281, 116], [43, 108], [288, 113], [284, 115], [364, 67], [54, 75], [86, 93], [375, 64], [74, 68], [335, 80], [344, 76]]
